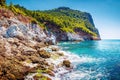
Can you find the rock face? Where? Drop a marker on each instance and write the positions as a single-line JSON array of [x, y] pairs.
[[20, 42], [78, 35], [11, 27], [23, 35], [20, 30]]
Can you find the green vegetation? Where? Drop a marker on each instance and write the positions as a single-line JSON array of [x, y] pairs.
[[67, 19], [40, 76], [42, 71], [15, 10]]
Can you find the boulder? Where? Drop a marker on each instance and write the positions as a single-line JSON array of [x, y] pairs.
[[50, 73], [60, 53], [66, 63], [54, 48], [44, 54], [11, 31], [28, 51]]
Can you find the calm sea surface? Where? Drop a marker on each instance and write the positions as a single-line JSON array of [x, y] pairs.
[[99, 60]]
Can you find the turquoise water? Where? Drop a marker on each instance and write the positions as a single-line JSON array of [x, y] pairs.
[[99, 60]]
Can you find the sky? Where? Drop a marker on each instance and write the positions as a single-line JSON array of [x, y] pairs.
[[105, 13]]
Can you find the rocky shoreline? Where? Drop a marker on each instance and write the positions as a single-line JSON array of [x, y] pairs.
[[48, 62], [59, 62]]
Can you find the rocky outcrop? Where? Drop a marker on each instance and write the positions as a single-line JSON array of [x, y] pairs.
[[20, 42], [78, 35], [11, 27], [73, 25]]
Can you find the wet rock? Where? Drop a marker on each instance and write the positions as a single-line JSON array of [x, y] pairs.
[[51, 67], [41, 77], [66, 63], [60, 53], [55, 49], [50, 73]]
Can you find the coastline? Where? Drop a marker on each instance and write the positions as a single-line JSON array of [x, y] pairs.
[[25, 50], [59, 71], [56, 60]]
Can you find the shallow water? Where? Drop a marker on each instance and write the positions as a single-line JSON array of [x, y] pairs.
[[99, 60]]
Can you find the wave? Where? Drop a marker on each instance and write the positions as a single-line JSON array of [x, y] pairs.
[[82, 59], [83, 73], [68, 43]]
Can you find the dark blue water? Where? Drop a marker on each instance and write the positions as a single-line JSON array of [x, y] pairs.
[[99, 60]]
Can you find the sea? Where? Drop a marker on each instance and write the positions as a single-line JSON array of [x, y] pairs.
[[98, 60]]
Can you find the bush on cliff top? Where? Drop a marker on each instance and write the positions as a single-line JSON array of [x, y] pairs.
[[66, 19]]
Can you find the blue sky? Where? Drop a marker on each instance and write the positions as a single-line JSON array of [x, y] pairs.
[[105, 13]]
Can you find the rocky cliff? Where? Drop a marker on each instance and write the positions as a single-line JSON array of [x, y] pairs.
[[65, 24], [74, 25]]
